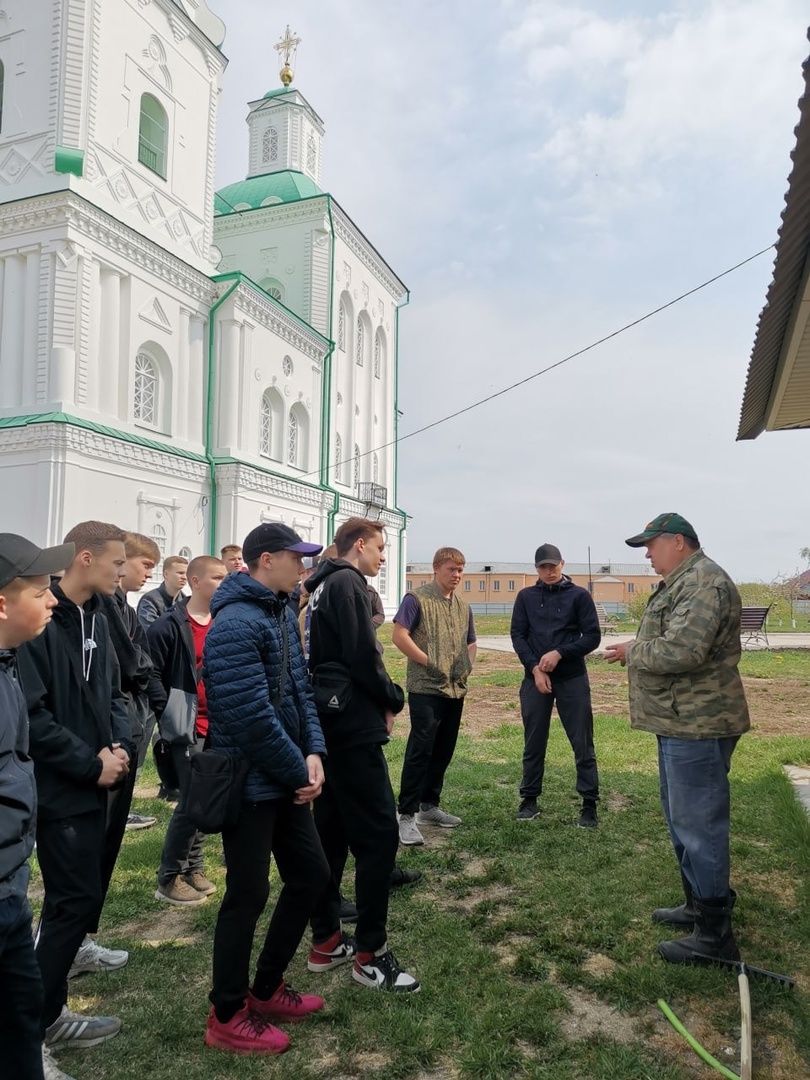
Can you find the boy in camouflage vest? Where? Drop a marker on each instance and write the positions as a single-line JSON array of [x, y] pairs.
[[434, 629]]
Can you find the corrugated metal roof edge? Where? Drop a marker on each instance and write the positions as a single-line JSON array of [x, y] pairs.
[[788, 273]]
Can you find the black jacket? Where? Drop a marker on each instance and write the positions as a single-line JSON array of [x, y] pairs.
[[171, 645], [342, 631], [132, 652], [18, 793], [562, 617], [154, 604], [74, 710]]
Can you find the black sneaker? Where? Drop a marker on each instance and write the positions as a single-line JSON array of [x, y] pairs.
[[587, 817], [400, 877], [168, 794], [528, 810], [348, 911], [380, 971]]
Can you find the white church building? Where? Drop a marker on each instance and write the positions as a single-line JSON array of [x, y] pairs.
[[183, 362]]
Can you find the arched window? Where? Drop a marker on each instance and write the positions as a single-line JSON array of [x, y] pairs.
[[292, 439], [158, 534], [153, 135], [378, 354], [375, 469], [360, 343], [356, 477], [311, 155], [147, 389], [270, 424], [338, 458], [341, 334], [274, 287], [270, 146]]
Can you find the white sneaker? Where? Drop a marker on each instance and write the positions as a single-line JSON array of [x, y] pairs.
[[408, 832], [92, 957], [434, 815], [383, 972], [50, 1069]]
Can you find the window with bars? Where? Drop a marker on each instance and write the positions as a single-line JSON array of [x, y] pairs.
[[266, 427], [146, 390], [270, 146], [356, 475], [375, 469], [158, 534], [338, 458], [360, 343], [312, 159], [382, 580], [377, 354], [292, 439], [341, 334], [153, 135]]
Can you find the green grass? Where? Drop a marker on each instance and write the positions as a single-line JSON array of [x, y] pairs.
[[503, 934]]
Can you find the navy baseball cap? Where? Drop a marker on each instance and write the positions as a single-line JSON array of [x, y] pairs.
[[275, 536]]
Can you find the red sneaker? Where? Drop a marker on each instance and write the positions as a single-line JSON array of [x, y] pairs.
[[286, 1005], [336, 950], [248, 1032]]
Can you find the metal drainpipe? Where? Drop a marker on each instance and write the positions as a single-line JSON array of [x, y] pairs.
[[209, 413], [401, 513], [326, 396]]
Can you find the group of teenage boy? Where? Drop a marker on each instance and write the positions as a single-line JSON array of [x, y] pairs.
[[280, 667]]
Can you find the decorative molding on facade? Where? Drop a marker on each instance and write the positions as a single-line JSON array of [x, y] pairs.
[[65, 208], [153, 313], [26, 155], [347, 231], [261, 308], [245, 478], [61, 438], [272, 217]]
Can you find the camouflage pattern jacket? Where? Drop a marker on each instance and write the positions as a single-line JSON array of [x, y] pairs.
[[682, 667]]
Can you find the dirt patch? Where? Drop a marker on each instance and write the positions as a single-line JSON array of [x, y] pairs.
[[599, 965], [777, 706], [589, 1016], [166, 926]]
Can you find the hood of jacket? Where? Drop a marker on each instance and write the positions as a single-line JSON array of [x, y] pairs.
[[326, 569], [238, 588]]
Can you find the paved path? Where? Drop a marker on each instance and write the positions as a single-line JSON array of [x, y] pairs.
[[778, 641]]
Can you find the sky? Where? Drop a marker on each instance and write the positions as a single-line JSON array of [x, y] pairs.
[[540, 173]]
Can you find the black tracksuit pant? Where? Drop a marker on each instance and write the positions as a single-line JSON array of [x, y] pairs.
[[69, 854], [435, 721], [573, 700], [356, 810]]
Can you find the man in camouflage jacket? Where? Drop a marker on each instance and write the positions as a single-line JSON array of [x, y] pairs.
[[685, 688]]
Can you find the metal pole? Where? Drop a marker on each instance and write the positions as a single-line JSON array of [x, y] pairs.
[[590, 578]]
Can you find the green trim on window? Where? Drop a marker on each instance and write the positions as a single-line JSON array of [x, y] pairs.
[[68, 159]]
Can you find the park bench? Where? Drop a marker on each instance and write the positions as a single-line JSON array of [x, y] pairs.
[[752, 625], [607, 623]]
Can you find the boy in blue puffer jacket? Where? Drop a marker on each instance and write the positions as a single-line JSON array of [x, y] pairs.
[[260, 707]]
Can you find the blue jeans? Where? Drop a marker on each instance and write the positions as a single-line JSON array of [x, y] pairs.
[[693, 775], [20, 989]]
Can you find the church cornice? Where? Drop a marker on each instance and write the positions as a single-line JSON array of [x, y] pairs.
[[262, 309], [348, 232], [262, 217], [66, 208], [248, 478]]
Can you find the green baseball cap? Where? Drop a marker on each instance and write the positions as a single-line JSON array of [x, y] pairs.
[[664, 523]]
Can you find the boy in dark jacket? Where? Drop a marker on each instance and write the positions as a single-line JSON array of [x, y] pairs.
[[158, 601], [26, 602], [80, 743], [554, 627], [176, 642], [260, 707], [357, 701]]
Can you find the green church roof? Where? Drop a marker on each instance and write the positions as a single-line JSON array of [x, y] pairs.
[[277, 93], [277, 187]]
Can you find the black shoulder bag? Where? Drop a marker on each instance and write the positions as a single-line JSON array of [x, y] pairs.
[[217, 782]]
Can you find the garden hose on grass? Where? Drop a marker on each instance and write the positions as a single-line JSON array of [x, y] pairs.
[[699, 1050]]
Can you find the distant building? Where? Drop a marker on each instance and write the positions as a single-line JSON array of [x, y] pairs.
[[614, 584]]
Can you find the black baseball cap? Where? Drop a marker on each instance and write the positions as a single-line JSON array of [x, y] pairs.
[[20, 558], [274, 536], [547, 553]]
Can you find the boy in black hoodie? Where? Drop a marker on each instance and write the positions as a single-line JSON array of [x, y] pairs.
[[554, 627], [80, 743], [26, 602], [356, 702]]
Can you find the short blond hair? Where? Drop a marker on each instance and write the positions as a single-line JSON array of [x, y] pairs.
[[139, 546], [174, 560], [229, 548], [448, 554]]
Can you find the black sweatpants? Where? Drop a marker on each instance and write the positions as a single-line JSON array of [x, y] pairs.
[[280, 828], [69, 853], [435, 721], [356, 810], [573, 699]]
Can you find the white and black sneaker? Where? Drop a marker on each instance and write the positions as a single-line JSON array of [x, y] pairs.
[[50, 1070], [72, 1029], [380, 971]]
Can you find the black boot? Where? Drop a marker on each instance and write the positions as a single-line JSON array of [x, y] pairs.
[[684, 915], [712, 937]]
